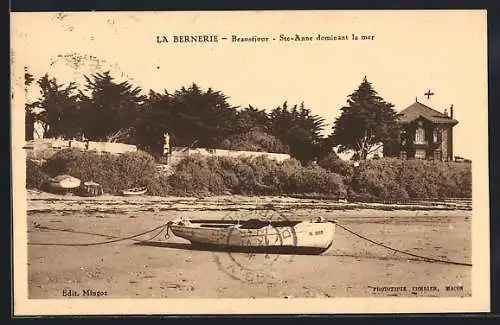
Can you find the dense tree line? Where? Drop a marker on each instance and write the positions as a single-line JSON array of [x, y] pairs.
[[366, 122], [108, 110]]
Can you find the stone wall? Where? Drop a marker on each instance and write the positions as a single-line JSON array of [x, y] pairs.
[[44, 148], [180, 153]]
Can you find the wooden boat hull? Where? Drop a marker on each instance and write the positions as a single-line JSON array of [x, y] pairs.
[[134, 192], [296, 250], [297, 238]]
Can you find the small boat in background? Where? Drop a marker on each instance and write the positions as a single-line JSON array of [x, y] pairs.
[[260, 236], [134, 191]]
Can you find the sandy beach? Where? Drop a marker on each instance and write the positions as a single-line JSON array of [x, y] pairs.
[[170, 268]]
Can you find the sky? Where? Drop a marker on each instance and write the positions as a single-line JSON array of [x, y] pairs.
[[411, 52]]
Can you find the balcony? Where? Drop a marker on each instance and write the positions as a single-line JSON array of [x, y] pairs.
[[422, 145]]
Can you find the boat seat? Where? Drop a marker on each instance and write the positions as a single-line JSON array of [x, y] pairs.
[[215, 225], [253, 224]]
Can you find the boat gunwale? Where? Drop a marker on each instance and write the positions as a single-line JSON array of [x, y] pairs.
[[287, 223], [135, 191], [256, 230]]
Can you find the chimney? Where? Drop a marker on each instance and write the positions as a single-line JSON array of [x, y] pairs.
[[451, 111], [445, 112]]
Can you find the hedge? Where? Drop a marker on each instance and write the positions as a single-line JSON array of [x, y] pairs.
[[334, 164], [381, 179], [35, 177], [391, 178], [114, 173], [252, 176]]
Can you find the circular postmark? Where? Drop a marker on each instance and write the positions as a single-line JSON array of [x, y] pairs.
[[257, 244], [74, 66]]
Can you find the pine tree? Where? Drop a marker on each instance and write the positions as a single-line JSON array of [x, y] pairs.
[[365, 123], [153, 122], [59, 115], [110, 109], [204, 118], [251, 118], [29, 114], [299, 129]]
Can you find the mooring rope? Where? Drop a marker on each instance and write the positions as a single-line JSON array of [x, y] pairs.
[[425, 258], [161, 228], [166, 227]]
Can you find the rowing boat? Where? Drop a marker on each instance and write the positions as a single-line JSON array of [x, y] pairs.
[[134, 191], [298, 237]]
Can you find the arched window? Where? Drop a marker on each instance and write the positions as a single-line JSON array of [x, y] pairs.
[[435, 135], [420, 135]]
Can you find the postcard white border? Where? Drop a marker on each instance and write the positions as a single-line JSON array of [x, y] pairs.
[[479, 302]]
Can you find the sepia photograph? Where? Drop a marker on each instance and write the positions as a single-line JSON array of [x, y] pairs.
[[250, 162]]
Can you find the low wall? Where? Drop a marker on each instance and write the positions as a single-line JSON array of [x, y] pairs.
[[47, 147], [180, 153]]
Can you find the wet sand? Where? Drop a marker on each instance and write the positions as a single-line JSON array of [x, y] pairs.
[[170, 268]]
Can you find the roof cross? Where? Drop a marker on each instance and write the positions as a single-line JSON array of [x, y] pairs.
[[429, 94]]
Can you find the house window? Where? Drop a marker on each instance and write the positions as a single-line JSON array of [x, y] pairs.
[[403, 154], [420, 135], [435, 136]]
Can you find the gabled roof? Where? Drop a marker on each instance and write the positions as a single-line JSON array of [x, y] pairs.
[[416, 110]]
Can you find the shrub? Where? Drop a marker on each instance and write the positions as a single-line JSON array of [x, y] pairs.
[[420, 178], [391, 178], [381, 179], [40, 153], [159, 185], [255, 140], [114, 173], [139, 169], [455, 179], [266, 179], [333, 163], [314, 179], [252, 176], [196, 175], [378, 179], [227, 170], [246, 179], [62, 162], [35, 177]]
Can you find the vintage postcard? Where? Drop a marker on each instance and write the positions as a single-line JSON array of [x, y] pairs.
[[256, 162]]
